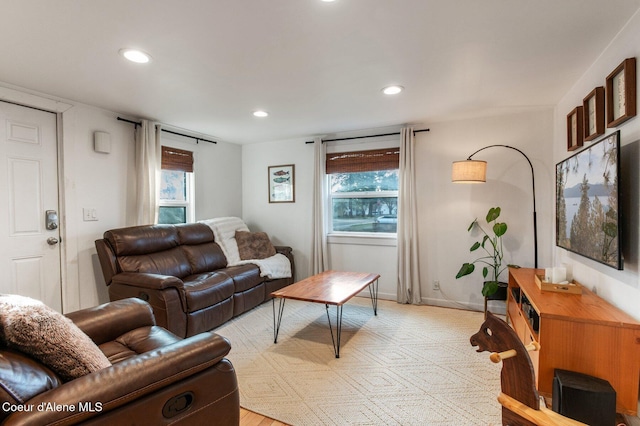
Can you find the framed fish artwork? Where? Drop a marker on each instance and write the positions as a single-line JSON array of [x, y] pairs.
[[282, 184]]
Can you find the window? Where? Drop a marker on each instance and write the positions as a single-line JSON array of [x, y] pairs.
[[176, 186], [363, 191]]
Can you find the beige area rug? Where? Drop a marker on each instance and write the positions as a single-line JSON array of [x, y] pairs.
[[410, 365]]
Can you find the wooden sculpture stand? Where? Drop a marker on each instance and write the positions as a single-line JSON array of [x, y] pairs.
[[519, 398]]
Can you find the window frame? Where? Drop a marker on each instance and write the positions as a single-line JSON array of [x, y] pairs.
[[350, 237], [359, 194], [189, 202]]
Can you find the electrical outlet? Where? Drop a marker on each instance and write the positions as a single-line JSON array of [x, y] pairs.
[[436, 285]]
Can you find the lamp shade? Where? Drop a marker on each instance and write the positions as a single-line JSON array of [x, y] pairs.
[[469, 171]]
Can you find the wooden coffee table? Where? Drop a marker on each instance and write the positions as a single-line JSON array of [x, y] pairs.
[[329, 288]]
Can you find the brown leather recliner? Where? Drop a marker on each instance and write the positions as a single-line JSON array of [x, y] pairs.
[[156, 378], [183, 273]]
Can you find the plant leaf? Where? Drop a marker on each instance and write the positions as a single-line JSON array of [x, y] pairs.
[[489, 288], [475, 246], [466, 269], [485, 272], [500, 229], [472, 224], [493, 214]]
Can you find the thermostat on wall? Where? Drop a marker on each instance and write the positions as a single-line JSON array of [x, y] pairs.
[[102, 142]]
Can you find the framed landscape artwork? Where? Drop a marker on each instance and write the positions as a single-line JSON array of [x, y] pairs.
[[587, 202], [282, 184]]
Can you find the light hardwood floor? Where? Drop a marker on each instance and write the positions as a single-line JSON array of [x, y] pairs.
[[249, 418]]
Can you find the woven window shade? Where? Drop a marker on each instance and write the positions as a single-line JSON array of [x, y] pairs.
[[363, 161], [177, 159]]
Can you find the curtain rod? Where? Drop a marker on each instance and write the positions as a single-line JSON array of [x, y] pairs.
[[370, 136], [137, 123]]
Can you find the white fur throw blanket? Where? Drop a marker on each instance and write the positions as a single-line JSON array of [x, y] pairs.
[[224, 230], [30, 326]]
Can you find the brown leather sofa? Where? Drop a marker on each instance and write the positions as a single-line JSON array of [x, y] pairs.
[[183, 274], [156, 378]]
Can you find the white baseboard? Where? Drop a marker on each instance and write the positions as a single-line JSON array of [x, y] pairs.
[[496, 307]]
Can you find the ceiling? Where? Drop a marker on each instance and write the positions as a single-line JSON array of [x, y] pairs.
[[318, 68]]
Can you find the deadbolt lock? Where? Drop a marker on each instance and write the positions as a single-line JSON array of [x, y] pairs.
[[51, 219]]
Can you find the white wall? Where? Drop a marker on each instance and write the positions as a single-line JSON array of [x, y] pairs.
[[286, 223], [104, 182], [621, 288], [232, 180], [445, 209], [218, 175], [92, 180], [291, 223]]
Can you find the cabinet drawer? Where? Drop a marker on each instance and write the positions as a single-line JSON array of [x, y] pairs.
[[519, 323]]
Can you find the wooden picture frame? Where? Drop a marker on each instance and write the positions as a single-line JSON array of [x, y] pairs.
[[593, 109], [575, 129], [282, 184], [621, 93]]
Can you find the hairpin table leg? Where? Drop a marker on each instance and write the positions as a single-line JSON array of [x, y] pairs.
[[336, 340], [277, 319], [373, 291]]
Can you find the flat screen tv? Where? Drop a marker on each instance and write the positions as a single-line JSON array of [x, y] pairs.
[[588, 202]]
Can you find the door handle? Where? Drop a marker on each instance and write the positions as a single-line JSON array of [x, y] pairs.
[[52, 241]]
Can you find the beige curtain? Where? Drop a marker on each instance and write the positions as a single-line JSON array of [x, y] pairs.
[[408, 260], [319, 255], [148, 155]]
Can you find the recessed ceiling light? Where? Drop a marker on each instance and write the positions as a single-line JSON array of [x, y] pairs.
[[392, 90], [328, 1], [260, 114], [134, 55]]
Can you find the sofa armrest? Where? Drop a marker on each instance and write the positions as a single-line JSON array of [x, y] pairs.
[[124, 382], [288, 251], [147, 280], [107, 322], [107, 260], [144, 285]]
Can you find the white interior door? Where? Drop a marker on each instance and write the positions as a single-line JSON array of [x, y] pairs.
[[29, 243]]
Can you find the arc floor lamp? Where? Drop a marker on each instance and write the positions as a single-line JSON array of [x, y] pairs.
[[475, 171]]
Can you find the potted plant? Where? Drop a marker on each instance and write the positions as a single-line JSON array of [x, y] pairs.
[[492, 258]]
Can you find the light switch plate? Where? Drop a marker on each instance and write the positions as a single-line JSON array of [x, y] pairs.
[[89, 214]]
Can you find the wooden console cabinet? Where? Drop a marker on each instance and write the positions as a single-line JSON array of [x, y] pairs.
[[581, 333]]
